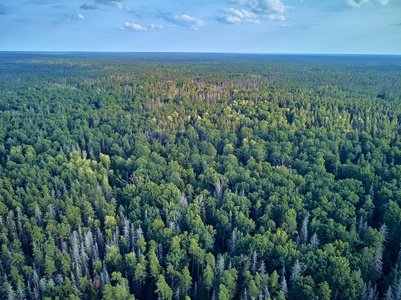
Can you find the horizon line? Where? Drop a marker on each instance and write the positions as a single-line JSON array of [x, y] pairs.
[[201, 52]]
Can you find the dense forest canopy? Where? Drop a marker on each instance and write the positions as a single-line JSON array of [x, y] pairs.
[[199, 176]]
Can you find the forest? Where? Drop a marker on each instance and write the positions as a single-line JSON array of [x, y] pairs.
[[200, 176]]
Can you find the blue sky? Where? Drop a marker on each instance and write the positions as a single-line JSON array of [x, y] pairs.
[[244, 26]]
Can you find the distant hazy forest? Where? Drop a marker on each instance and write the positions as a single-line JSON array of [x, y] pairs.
[[200, 176]]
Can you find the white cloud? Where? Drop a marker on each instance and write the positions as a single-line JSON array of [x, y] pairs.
[[356, 3], [359, 3], [228, 19], [234, 16], [155, 27], [72, 18], [263, 6], [183, 20], [137, 27], [243, 14], [122, 6], [266, 9], [116, 4]]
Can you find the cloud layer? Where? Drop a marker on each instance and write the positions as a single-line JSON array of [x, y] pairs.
[[183, 20], [234, 16], [263, 7], [72, 18], [137, 27], [116, 4], [359, 3]]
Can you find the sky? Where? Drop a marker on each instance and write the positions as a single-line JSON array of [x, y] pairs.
[[234, 26]]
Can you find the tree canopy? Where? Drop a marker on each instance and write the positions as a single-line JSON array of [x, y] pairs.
[[139, 176]]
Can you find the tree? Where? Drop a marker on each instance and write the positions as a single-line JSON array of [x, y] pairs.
[[50, 267], [140, 272], [296, 269], [253, 289], [163, 289], [154, 264], [224, 293], [274, 281], [283, 284], [113, 259], [304, 229], [389, 294], [314, 241], [324, 291], [208, 278], [377, 264]]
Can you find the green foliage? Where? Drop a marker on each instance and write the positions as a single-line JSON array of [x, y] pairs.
[[199, 176], [163, 289]]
